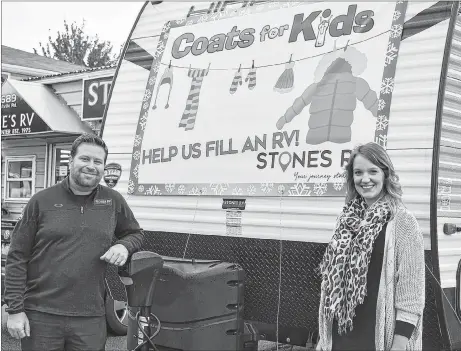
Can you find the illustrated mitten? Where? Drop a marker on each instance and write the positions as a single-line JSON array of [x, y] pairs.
[[236, 81], [251, 77]]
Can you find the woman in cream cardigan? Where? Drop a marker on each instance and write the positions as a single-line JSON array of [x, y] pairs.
[[373, 272]]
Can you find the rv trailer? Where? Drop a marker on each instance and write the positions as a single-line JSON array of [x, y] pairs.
[[225, 154]]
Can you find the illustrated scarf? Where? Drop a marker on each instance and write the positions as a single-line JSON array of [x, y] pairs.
[[345, 263]]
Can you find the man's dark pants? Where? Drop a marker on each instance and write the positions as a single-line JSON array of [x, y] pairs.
[[53, 332]]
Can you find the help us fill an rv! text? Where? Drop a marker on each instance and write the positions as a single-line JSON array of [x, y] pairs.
[[267, 150], [340, 25]]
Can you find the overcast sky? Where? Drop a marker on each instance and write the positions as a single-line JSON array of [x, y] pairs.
[[25, 24]]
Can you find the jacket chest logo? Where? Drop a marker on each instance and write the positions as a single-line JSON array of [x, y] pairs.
[[103, 202]]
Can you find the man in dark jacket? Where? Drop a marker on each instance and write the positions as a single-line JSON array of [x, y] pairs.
[[59, 253]]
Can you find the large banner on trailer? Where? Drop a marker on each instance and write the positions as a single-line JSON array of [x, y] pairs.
[[266, 101]]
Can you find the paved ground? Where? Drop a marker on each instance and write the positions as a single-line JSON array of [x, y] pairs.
[[113, 343], [119, 343]]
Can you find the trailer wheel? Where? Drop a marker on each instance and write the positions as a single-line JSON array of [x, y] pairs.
[[116, 316]]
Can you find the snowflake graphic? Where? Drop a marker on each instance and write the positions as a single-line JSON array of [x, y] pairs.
[[143, 125], [204, 191], [152, 80], [266, 188], [189, 22], [137, 155], [399, 1], [180, 21], [381, 139], [300, 189], [396, 31], [202, 19], [338, 186], [144, 117], [130, 187], [147, 95], [137, 140], [397, 15], [156, 190], [145, 106], [166, 27], [214, 17], [161, 46], [160, 50], [149, 191], [320, 188], [382, 122], [274, 4], [237, 191], [155, 69], [166, 35], [194, 191], [381, 104], [140, 188], [219, 189], [391, 54], [251, 190], [281, 189], [286, 5], [170, 187], [181, 190], [136, 171], [387, 85]]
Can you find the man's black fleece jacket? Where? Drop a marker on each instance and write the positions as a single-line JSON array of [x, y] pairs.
[[53, 264]]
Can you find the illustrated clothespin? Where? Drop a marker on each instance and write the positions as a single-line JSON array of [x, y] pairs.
[[169, 66], [290, 57], [347, 44]]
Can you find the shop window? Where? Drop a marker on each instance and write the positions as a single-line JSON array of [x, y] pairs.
[[19, 177]]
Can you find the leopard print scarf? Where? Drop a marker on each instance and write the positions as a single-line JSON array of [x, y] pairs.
[[345, 263]]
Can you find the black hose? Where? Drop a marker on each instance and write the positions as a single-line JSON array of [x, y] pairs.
[[149, 338]]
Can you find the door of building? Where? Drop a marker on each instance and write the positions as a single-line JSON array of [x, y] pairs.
[[60, 155]]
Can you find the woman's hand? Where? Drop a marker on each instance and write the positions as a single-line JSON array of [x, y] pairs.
[[399, 343]]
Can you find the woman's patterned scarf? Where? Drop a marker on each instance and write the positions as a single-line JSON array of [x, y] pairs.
[[345, 263]]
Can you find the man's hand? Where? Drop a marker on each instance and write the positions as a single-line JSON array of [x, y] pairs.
[[117, 255], [400, 343], [18, 325]]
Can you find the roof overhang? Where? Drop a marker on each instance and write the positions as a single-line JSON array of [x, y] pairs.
[[33, 109], [7, 67]]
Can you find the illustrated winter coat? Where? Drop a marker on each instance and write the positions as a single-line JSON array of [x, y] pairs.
[[332, 103]]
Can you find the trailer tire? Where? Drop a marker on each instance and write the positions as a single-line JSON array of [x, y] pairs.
[[116, 317]]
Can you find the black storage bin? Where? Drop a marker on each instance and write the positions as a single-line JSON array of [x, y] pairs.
[[200, 306]]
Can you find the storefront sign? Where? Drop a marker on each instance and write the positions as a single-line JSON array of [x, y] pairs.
[[95, 96], [17, 116], [246, 103]]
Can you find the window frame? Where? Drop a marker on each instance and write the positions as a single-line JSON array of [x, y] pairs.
[[8, 180]]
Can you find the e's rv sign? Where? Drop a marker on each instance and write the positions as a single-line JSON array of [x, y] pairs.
[[17, 116], [95, 95]]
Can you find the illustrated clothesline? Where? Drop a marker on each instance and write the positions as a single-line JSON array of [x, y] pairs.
[[280, 63], [284, 84]]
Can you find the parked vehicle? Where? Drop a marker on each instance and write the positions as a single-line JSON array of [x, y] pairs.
[[229, 149]]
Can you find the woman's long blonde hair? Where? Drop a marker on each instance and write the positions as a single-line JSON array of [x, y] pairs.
[[377, 155]]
